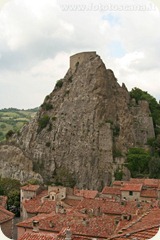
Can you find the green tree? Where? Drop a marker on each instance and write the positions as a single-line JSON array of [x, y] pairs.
[[11, 189], [137, 161], [154, 167], [47, 106], [154, 145], [118, 174], [33, 182], [14, 198], [9, 134], [59, 83], [1, 190], [3, 126], [43, 121]]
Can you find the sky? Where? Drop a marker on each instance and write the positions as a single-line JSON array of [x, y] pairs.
[[37, 37]]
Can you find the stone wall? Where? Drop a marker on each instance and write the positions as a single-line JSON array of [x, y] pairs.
[[78, 58], [126, 194]]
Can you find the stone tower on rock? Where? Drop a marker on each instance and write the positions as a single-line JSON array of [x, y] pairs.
[[85, 126]]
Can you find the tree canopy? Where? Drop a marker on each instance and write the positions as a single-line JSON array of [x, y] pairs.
[[138, 161], [11, 188]]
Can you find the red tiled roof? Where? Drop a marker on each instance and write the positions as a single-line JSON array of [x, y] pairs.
[[37, 236], [47, 207], [30, 187], [136, 180], [3, 201], [5, 215], [98, 225], [118, 183], [139, 235], [147, 221], [151, 193], [32, 205], [85, 193], [111, 190], [71, 202], [151, 183], [106, 206], [131, 187], [79, 226], [148, 182]]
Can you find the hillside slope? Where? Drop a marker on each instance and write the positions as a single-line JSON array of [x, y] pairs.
[[13, 119]]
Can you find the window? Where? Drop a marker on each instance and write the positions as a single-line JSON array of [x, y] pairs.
[[130, 193]]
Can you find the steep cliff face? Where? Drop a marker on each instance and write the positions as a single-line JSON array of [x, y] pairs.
[[85, 126], [14, 164]]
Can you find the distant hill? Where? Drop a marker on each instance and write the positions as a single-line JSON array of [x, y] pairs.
[[13, 119]]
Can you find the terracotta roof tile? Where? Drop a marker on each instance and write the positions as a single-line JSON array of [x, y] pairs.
[[148, 182], [139, 235], [151, 183], [37, 236], [32, 205], [111, 190], [148, 220], [5, 215], [47, 207], [150, 193], [131, 187], [85, 193], [71, 202], [80, 225], [98, 225], [106, 206], [136, 180], [118, 183], [30, 187]]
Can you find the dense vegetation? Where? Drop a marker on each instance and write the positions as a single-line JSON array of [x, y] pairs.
[[43, 122], [11, 189], [12, 119], [138, 162], [141, 162]]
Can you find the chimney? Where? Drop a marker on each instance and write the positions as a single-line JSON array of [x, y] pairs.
[[124, 202], [57, 208], [51, 224], [35, 225], [85, 222], [138, 204], [68, 234], [116, 221]]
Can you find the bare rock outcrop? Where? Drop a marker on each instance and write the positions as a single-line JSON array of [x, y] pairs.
[[14, 164], [85, 126]]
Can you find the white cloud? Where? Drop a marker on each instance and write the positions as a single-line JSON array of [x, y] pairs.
[[38, 36], [130, 60], [55, 67]]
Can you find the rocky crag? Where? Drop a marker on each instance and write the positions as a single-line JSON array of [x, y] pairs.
[[83, 129]]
